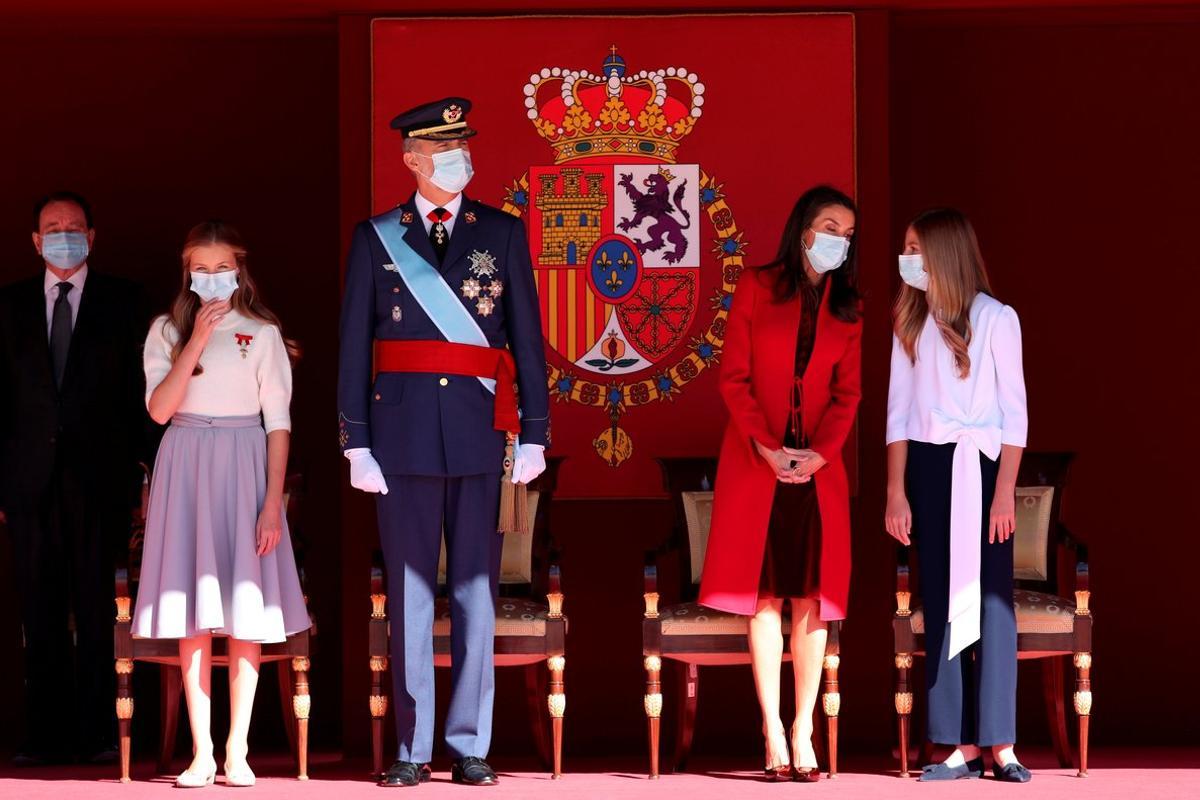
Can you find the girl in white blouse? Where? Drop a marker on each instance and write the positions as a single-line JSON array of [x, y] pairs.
[[218, 557], [956, 429]]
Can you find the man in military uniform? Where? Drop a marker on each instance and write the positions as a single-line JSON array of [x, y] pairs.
[[442, 400]]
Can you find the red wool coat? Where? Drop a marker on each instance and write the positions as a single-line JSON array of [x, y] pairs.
[[757, 372]]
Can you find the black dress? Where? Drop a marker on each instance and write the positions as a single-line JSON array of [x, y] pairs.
[[791, 564]]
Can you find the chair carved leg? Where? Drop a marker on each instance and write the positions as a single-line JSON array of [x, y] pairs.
[[1053, 694], [557, 702], [301, 705], [170, 691], [831, 703], [379, 706], [1083, 705], [124, 667], [904, 704], [653, 705]]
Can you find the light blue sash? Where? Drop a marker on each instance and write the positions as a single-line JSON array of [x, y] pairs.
[[433, 294]]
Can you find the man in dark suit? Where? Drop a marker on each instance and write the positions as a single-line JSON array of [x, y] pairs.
[[71, 426], [440, 318]]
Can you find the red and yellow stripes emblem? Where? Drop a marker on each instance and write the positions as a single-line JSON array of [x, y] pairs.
[[573, 317]]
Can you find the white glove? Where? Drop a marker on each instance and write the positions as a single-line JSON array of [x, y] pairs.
[[365, 473], [528, 463]]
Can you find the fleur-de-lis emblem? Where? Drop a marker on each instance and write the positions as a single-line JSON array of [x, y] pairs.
[[603, 260], [613, 282], [626, 262]]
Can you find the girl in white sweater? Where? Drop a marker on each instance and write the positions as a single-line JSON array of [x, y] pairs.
[[218, 558]]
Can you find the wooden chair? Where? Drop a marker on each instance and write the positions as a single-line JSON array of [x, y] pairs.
[[292, 656], [1050, 626], [528, 632], [690, 635]]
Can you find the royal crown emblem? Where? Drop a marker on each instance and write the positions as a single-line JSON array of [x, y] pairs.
[[585, 115], [452, 113], [621, 263]]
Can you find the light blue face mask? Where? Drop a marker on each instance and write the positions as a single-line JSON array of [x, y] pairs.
[[452, 170], [912, 271], [214, 285], [828, 252], [65, 249]]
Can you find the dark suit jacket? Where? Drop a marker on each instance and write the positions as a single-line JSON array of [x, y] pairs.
[[413, 424], [95, 426]]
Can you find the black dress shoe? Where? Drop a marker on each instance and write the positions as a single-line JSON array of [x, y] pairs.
[[1011, 773], [941, 772], [405, 773], [104, 754], [29, 758], [473, 771]]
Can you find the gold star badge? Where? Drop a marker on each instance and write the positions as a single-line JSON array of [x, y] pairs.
[[471, 288]]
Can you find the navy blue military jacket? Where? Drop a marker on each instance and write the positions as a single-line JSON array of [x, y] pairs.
[[428, 423]]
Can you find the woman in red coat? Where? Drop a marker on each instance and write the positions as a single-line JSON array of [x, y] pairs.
[[781, 513]]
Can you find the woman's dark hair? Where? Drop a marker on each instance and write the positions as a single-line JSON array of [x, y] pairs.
[[844, 298]]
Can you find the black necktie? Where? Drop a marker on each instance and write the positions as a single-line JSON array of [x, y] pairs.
[[60, 333], [439, 237]]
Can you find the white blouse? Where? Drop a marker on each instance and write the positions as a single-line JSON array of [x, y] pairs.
[[246, 371], [923, 397], [929, 402]]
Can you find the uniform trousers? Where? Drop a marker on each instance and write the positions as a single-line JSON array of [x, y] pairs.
[[412, 517]]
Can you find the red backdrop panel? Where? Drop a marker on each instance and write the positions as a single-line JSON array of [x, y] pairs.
[[634, 334]]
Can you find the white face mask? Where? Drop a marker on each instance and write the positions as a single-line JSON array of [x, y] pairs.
[[828, 252], [452, 170], [214, 285], [912, 271]]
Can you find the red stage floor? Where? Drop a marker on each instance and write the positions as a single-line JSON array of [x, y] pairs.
[[1149, 774]]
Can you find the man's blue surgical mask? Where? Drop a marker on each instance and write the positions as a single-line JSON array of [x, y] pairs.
[[65, 249], [452, 170]]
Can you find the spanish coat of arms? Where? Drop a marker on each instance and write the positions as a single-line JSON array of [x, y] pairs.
[[620, 232]]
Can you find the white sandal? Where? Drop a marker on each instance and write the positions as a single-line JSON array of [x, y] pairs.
[[188, 779], [242, 776]]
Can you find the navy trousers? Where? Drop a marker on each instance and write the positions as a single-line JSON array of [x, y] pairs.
[[412, 517], [973, 696]]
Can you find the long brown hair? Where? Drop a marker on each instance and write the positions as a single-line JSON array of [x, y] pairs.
[[950, 252], [245, 299]]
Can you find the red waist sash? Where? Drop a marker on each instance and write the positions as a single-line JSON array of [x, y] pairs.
[[450, 358]]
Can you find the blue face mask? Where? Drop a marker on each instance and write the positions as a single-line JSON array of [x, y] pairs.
[[65, 250], [828, 252], [214, 285], [912, 271]]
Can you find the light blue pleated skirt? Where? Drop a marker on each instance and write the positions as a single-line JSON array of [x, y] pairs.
[[200, 569]]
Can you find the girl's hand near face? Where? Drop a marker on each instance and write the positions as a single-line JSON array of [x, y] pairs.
[[207, 319]]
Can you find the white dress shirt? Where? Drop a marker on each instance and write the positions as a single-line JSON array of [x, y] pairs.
[[73, 297], [929, 402], [425, 206]]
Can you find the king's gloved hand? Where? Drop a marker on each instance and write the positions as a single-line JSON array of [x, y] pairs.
[[528, 463], [365, 473]]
